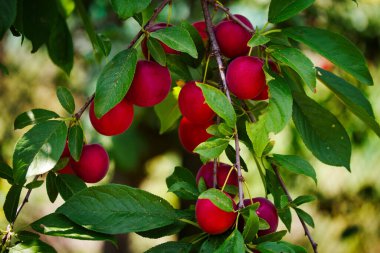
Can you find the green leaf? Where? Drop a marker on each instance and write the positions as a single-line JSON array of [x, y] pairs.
[[34, 184], [219, 103], [55, 224], [296, 60], [212, 243], [251, 225], [233, 244], [60, 46], [212, 148], [176, 38], [258, 135], [295, 164], [218, 198], [335, 48], [66, 99], [32, 246], [171, 247], [305, 217], [258, 40], [168, 111], [351, 96], [117, 209], [27, 236], [39, 149], [295, 248], [51, 187], [281, 10], [11, 202], [272, 237], [32, 117], [6, 172], [156, 51], [125, 9], [67, 185], [321, 132], [114, 81], [8, 15], [182, 183], [178, 68], [303, 199], [171, 229], [231, 155], [75, 141], [104, 44]]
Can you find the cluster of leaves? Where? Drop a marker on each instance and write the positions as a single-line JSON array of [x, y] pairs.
[[100, 212]]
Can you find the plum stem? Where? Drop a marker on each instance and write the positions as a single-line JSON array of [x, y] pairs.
[[305, 228], [215, 50]]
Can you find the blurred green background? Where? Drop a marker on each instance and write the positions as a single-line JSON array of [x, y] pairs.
[[348, 206]]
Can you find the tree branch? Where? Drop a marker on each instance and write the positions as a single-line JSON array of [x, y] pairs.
[[305, 228], [215, 50]]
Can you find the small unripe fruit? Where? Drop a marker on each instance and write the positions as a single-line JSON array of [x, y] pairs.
[[206, 172], [66, 154], [191, 135], [93, 163], [151, 84], [192, 104], [266, 211], [153, 28], [213, 220], [114, 122], [201, 28], [245, 77], [233, 38]]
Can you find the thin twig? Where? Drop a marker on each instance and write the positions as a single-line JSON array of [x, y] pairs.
[[26, 199], [215, 50], [231, 16], [306, 229], [84, 107]]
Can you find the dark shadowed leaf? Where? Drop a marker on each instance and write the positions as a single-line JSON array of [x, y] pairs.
[[75, 141], [11, 202], [171, 247], [56, 224], [67, 185], [66, 99], [231, 155], [127, 8], [39, 149], [272, 237], [156, 51], [104, 44], [114, 81], [295, 164], [321, 132], [34, 184], [117, 209], [303, 199], [352, 97], [334, 47], [176, 38], [60, 46], [6, 172], [182, 183], [8, 15], [33, 116], [51, 187], [168, 111], [281, 10], [234, 243]]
